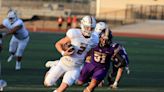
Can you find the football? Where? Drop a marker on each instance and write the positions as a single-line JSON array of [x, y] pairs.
[[67, 46]]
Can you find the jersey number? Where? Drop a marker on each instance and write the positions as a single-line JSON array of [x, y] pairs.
[[99, 57], [82, 49]]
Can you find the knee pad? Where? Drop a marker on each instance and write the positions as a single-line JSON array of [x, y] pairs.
[[48, 83]]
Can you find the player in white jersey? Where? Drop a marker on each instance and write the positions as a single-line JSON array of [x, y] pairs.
[[82, 41], [20, 36]]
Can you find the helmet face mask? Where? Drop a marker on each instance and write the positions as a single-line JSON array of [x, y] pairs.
[[12, 16], [88, 24], [87, 31], [105, 38]]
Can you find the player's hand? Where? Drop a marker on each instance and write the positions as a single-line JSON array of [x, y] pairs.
[[127, 70], [68, 52], [114, 85]]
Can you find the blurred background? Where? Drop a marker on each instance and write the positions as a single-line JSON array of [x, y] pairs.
[[44, 13], [136, 24]]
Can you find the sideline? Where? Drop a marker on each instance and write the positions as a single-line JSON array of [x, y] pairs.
[[122, 34]]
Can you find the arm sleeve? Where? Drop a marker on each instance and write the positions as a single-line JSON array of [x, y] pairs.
[[18, 23], [125, 56], [94, 40]]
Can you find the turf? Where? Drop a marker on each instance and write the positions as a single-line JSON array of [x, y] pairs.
[[146, 64]]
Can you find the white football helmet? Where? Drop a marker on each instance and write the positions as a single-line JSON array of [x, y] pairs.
[[100, 27], [12, 16], [88, 23], [105, 34]]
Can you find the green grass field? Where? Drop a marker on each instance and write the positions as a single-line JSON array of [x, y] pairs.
[[146, 64]]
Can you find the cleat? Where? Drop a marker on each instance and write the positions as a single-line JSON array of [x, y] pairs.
[[18, 65], [49, 64], [10, 58]]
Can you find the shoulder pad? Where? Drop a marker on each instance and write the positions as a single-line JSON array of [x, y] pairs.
[[71, 33], [115, 45]]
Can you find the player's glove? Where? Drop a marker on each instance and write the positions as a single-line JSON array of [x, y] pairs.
[[68, 52], [114, 85], [127, 70]]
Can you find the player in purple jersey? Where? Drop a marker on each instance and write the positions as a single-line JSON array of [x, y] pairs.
[[119, 62], [99, 60]]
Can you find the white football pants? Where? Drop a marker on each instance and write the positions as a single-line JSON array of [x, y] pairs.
[[18, 46]]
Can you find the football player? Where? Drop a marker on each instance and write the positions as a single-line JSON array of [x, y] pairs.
[[98, 62], [119, 62], [20, 36], [82, 40]]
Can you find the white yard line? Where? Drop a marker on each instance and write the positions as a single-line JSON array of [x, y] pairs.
[[137, 89]]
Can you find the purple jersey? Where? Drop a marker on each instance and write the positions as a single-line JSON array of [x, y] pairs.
[[116, 64], [100, 57], [99, 65], [123, 53]]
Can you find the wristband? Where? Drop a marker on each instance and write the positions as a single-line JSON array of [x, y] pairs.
[[115, 83]]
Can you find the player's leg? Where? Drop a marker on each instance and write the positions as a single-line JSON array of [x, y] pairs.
[[92, 85], [63, 86], [19, 52], [12, 48], [85, 74], [53, 75], [68, 79], [98, 75]]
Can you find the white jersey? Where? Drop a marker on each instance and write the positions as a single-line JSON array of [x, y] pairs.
[[81, 45], [20, 34], [70, 66]]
